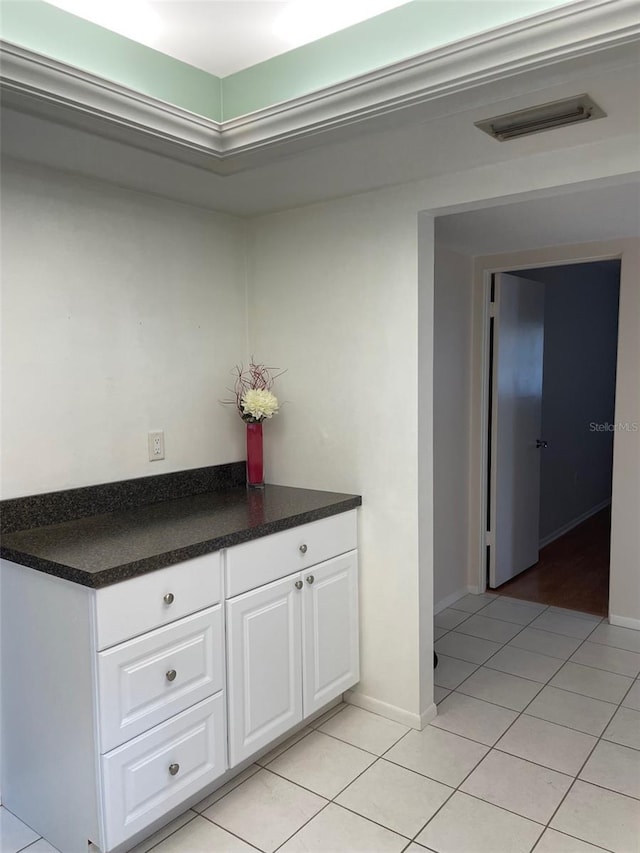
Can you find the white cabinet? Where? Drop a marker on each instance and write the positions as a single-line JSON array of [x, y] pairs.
[[260, 561], [159, 770], [117, 707], [113, 704], [264, 666], [330, 631], [292, 647], [146, 680]]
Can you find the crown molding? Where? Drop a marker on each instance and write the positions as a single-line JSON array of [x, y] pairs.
[[30, 79], [546, 39], [37, 84]]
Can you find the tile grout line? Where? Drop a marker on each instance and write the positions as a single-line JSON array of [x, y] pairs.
[[564, 662], [377, 758], [529, 624], [490, 747], [338, 711], [380, 757], [162, 840], [342, 790], [544, 684], [300, 828], [523, 628], [521, 713], [31, 843]]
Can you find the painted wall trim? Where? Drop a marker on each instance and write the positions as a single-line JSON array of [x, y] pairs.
[[391, 712], [625, 622], [30, 79], [541, 40], [430, 714], [451, 599], [547, 540], [37, 84]]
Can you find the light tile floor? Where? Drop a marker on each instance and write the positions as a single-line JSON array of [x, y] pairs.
[[536, 747]]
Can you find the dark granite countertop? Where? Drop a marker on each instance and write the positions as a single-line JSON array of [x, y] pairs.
[[99, 550]]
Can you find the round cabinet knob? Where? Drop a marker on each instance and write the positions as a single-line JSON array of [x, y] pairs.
[[173, 769], [298, 584], [169, 598], [309, 578], [171, 675], [303, 549]]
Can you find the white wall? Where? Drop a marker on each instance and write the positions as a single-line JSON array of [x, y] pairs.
[[580, 351], [121, 313], [333, 299], [335, 292], [624, 590], [451, 423], [337, 297]]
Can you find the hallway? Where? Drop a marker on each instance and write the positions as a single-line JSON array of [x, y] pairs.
[[572, 572]]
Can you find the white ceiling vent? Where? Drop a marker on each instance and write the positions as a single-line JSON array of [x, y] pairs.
[[576, 110]]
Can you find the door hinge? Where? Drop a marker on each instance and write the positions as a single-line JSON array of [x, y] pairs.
[[489, 538], [492, 309]]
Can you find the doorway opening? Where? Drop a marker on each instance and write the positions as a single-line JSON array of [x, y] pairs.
[[552, 351]]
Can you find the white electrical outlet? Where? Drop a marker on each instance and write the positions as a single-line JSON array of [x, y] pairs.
[[156, 445]]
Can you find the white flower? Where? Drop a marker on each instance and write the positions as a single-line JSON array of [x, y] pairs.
[[259, 404]]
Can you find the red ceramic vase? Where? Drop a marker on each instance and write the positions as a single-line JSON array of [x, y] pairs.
[[255, 463]]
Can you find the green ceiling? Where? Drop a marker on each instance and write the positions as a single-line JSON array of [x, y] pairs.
[[402, 32]]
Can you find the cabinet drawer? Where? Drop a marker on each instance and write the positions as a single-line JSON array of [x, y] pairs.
[[147, 680], [130, 608], [261, 561], [157, 771]]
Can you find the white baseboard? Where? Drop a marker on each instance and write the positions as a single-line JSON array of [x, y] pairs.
[[551, 537], [430, 714], [624, 622], [451, 599], [391, 712]]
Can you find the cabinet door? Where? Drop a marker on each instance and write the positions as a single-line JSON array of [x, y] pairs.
[[264, 665], [330, 630]]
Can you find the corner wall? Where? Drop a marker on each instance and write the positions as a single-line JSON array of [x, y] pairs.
[[121, 313], [333, 300], [451, 423]]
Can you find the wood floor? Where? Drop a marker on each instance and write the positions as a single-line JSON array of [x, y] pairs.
[[572, 572]]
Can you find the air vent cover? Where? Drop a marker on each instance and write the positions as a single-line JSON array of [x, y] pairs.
[[576, 110]]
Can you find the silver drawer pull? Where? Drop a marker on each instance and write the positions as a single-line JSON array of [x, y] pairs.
[[303, 549], [171, 675], [173, 769], [169, 598], [309, 578], [298, 584]]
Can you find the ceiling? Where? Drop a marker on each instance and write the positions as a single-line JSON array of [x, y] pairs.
[[225, 36], [605, 213], [395, 136], [409, 148]]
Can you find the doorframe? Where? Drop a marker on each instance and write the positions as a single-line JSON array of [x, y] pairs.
[[483, 269]]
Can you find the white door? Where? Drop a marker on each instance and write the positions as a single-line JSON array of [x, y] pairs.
[[330, 630], [516, 424], [264, 665]]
